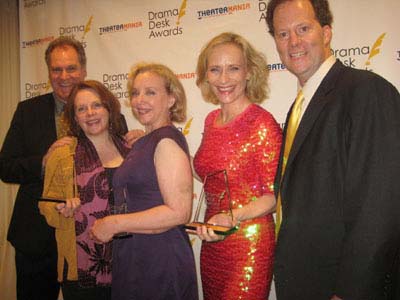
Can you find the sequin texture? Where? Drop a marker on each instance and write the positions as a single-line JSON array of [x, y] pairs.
[[240, 267]]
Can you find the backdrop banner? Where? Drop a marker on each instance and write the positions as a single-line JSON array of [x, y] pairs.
[[118, 34]]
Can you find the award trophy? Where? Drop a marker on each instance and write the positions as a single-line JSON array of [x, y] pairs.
[[59, 184], [215, 198], [119, 207]]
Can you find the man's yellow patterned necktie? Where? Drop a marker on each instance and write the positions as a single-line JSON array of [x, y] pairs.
[[61, 125]]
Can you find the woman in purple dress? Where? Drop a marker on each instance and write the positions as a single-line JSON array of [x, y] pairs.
[[155, 184]]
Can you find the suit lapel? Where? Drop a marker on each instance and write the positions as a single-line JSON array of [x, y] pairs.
[[316, 105]]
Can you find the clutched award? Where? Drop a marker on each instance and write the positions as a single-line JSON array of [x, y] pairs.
[[215, 200], [119, 206]]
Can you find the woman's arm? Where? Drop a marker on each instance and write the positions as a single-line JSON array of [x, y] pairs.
[[256, 208], [265, 168], [176, 186]]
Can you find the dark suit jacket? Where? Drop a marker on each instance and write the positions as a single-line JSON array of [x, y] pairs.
[[341, 192], [31, 133]]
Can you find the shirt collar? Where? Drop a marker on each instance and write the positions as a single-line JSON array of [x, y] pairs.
[[315, 80]]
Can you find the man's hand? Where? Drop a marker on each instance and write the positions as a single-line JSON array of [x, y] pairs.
[[132, 135], [67, 140]]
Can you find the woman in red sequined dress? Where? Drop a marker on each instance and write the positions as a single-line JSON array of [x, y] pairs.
[[243, 139]]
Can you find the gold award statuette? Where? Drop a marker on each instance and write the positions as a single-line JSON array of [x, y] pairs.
[[218, 229], [221, 202]]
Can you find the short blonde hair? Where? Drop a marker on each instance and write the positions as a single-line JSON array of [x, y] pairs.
[[257, 85], [172, 85]]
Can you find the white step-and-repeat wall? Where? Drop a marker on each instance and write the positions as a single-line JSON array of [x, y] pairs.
[[117, 34]]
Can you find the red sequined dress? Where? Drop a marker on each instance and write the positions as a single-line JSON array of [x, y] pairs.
[[239, 267]]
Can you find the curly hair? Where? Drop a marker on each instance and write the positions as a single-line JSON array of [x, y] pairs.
[[109, 101], [172, 85], [321, 9], [257, 85], [66, 41]]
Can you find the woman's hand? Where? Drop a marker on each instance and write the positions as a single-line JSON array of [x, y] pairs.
[[103, 230], [68, 208], [207, 234], [222, 219]]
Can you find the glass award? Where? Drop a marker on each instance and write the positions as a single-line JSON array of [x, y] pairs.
[[215, 199], [118, 207]]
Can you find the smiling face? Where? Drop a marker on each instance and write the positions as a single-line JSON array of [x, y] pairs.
[[227, 73], [302, 43], [90, 113], [65, 71], [150, 101]]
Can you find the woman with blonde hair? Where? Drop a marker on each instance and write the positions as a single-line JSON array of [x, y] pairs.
[[154, 183], [242, 140]]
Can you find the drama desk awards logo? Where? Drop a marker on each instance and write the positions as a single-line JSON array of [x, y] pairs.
[[75, 31], [35, 89], [116, 83], [350, 56], [166, 23]]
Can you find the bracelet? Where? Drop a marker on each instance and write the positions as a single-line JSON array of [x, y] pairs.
[[229, 213], [225, 212]]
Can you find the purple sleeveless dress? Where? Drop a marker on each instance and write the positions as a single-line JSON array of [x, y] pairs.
[[150, 266]]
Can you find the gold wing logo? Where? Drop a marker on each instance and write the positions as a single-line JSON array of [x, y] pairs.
[[375, 49], [186, 129], [87, 27], [182, 12]]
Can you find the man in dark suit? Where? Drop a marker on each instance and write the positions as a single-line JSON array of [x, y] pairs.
[[338, 177], [34, 128]]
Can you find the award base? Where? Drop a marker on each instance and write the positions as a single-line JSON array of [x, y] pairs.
[[52, 200], [218, 229], [122, 235]]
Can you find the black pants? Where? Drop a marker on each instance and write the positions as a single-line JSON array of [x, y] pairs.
[[36, 277], [73, 291]]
